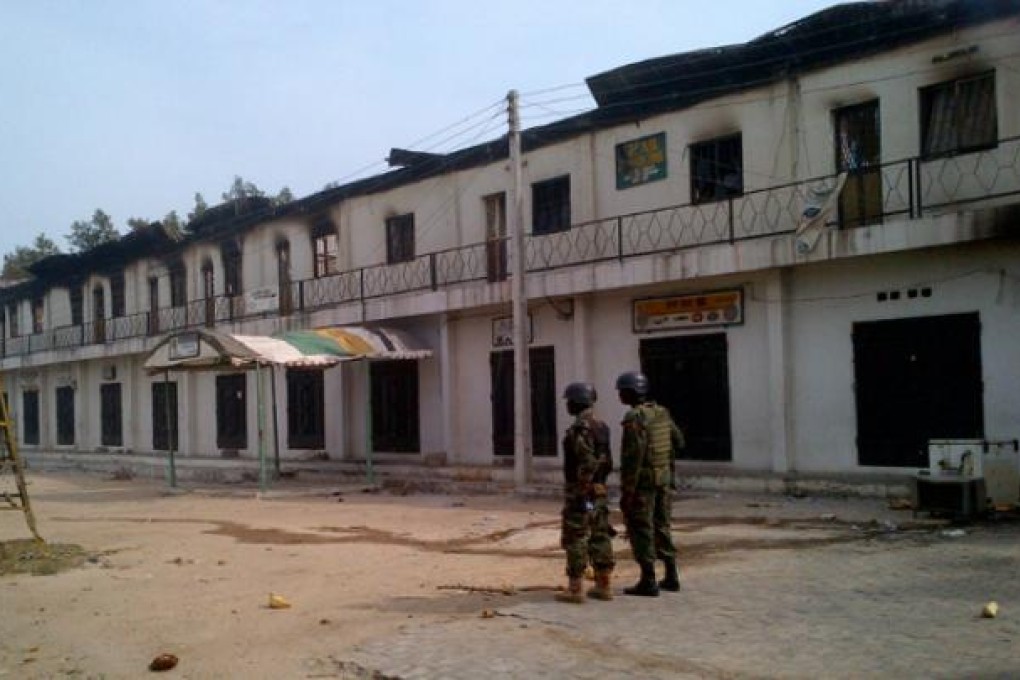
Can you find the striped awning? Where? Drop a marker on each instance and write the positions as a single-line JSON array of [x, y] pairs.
[[320, 347]]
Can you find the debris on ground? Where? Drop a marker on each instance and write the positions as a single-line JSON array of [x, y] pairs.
[[827, 517], [163, 662], [953, 533], [278, 602], [28, 556], [488, 614], [900, 504], [990, 610]]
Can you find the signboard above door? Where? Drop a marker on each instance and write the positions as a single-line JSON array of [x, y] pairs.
[[697, 310]]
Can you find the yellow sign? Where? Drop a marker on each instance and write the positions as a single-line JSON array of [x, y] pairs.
[[718, 308]]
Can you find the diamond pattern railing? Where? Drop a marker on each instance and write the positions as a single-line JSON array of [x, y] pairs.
[[911, 188]]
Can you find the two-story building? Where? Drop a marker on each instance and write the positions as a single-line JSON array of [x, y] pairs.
[[807, 241]]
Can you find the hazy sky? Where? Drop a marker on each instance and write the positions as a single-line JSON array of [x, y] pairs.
[[132, 106]]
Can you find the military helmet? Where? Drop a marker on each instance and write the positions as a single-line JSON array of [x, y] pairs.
[[633, 380], [580, 393]]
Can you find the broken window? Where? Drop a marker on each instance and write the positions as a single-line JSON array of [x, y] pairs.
[[231, 253], [325, 244], [178, 285], [400, 238], [550, 205], [37, 315], [959, 116], [117, 306], [77, 307], [717, 169]]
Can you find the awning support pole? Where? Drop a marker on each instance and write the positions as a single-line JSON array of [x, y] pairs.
[[171, 435], [276, 424], [369, 472], [259, 400]]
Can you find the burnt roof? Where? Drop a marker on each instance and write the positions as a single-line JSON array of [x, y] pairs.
[[629, 93]]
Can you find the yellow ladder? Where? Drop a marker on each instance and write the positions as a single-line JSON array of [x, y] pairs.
[[11, 462]]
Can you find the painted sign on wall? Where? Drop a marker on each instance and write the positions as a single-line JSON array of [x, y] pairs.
[[503, 331], [717, 308], [641, 160]]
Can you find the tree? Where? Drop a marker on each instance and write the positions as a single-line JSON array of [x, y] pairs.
[[16, 264], [87, 235], [284, 197], [200, 207], [172, 225], [137, 223], [241, 190]]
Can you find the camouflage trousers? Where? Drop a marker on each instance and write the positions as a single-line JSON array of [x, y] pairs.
[[584, 535], [647, 513]]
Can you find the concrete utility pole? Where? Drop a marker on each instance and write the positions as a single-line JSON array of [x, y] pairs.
[[519, 294]]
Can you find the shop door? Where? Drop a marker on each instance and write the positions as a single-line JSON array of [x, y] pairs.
[[543, 401], [916, 379], [231, 411], [164, 416], [689, 376]]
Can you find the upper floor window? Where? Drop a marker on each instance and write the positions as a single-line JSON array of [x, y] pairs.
[[550, 205], [231, 252], [178, 285], [77, 296], [717, 169], [400, 238], [117, 305], [38, 310], [12, 315], [325, 243], [959, 115]]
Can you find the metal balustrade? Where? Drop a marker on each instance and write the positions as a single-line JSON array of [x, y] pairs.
[[910, 188]]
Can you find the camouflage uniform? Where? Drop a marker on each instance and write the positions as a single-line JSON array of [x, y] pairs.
[[646, 480], [586, 464]]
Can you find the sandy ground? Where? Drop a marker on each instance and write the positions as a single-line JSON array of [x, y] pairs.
[[456, 586]]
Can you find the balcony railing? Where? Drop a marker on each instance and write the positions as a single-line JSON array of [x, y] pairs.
[[910, 189]]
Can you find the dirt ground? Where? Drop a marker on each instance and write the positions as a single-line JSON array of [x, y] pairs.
[[383, 585]]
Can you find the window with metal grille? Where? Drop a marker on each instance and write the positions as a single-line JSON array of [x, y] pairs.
[[325, 243], [65, 416], [717, 169], [400, 238], [117, 305], [550, 205], [110, 415], [395, 406], [959, 116], [30, 417]]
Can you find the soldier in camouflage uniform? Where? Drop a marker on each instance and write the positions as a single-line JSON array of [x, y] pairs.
[[587, 462], [650, 442]]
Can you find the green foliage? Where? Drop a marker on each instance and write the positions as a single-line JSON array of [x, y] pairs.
[[16, 264], [87, 235], [200, 207], [136, 223], [284, 197], [241, 190]]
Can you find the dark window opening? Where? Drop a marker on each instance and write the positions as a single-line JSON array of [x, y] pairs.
[[305, 409], [12, 315], [38, 314], [495, 235], [717, 169], [325, 243], [164, 416], [30, 417], [400, 238], [98, 315], [858, 153], [65, 416], [209, 292], [77, 295], [153, 305], [118, 307], [395, 406], [231, 253], [959, 116], [178, 285], [231, 411], [110, 415], [550, 205]]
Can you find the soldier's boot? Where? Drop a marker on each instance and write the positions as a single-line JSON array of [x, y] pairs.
[[646, 587], [575, 591], [671, 581], [603, 589]]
